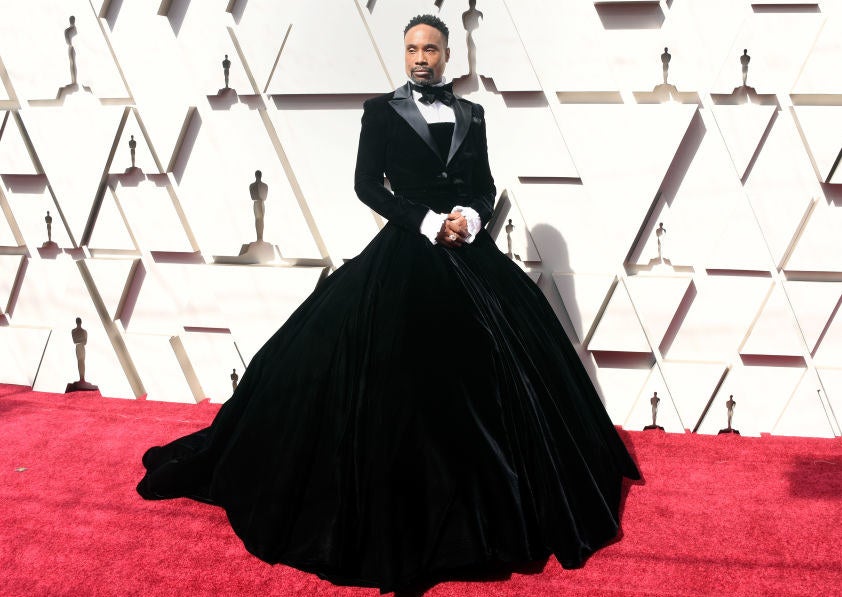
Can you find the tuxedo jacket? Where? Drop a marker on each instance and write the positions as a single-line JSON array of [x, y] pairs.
[[395, 142]]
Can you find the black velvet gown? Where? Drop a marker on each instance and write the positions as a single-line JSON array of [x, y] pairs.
[[420, 415]]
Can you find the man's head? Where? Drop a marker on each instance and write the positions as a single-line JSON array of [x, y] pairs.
[[425, 49]]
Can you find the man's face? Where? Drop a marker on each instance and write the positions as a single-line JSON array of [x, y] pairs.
[[425, 54]]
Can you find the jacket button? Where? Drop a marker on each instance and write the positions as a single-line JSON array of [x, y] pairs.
[[443, 174]]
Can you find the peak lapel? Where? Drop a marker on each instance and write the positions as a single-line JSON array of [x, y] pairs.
[[462, 112], [405, 106]]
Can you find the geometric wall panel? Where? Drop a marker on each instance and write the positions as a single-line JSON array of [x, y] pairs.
[[52, 295], [20, 354], [737, 241], [701, 188], [111, 277], [150, 209], [813, 303], [39, 74], [162, 84], [761, 394], [274, 293], [203, 40], [821, 127], [641, 413], [133, 131], [719, 317], [333, 204], [781, 185], [832, 381], [10, 265], [742, 127], [554, 32], [820, 241], [805, 414], [618, 328], [304, 67], [30, 200], [8, 236], [516, 240], [110, 232], [81, 127], [14, 154], [778, 44], [538, 150], [212, 357], [827, 352], [565, 221], [656, 300], [620, 387], [819, 74], [691, 386], [159, 368], [583, 296], [261, 34], [214, 188], [775, 331], [603, 142], [586, 168], [495, 44]]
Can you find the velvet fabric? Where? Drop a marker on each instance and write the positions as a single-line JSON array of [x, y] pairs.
[[422, 413]]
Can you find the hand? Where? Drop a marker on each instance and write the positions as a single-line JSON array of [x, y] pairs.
[[454, 231]]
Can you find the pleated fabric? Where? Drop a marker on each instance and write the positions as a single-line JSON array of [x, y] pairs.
[[422, 413]]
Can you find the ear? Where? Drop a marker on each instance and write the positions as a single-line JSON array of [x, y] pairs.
[[446, 54]]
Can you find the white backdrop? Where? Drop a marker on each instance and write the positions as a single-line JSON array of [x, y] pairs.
[[590, 157]]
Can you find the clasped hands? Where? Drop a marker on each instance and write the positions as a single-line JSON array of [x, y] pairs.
[[454, 230]]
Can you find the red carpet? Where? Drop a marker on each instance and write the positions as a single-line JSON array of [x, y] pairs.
[[716, 516]]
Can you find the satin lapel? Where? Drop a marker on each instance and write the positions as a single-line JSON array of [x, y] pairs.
[[462, 112], [405, 106]]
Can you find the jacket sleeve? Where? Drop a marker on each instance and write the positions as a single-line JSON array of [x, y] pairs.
[[369, 173], [484, 191]]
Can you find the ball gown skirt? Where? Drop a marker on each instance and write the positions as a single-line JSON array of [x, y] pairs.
[[420, 414]]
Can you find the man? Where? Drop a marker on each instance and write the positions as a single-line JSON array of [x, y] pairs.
[[364, 443], [423, 175]]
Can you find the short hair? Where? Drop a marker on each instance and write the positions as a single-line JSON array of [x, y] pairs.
[[432, 21]]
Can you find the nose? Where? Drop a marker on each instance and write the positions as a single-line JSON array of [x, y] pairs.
[[420, 58]]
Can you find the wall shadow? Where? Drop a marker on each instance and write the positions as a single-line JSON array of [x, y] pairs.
[[631, 15], [817, 477], [175, 11]]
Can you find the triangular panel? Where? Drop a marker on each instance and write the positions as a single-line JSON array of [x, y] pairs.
[[666, 415], [111, 277], [813, 303], [14, 154], [618, 328], [583, 296], [760, 393], [805, 414], [656, 300], [60, 132], [821, 129], [742, 127], [691, 386], [774, 332], [110, 230]]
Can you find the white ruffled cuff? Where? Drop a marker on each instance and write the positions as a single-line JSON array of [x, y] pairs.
[[474, 221], [431, 224]]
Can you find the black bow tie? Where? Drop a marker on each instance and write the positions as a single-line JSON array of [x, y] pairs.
[[429, 93]]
